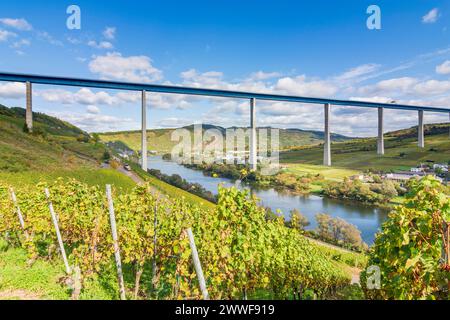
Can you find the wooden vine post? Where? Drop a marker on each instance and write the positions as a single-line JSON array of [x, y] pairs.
[[19, 212], [112, 219], [58, 233], [155, 241], [197, 265]]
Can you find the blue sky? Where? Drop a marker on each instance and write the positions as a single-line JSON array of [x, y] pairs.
[[311, 48]]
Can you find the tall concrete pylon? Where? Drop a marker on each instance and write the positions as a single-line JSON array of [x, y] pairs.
[[29, 107], [421, 132], [380, 141], [327, 137], [144, 132], [253, 139]]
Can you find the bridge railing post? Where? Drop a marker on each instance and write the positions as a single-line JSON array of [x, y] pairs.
[[29, 107], [380, 141], [144, 132], [253, 139], [327, 136], [421, 132]]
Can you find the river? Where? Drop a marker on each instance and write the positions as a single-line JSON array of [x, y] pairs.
[[367, 219]]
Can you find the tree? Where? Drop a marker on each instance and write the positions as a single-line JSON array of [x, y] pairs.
[[298, 221], [95, 137], [106, 155], [83, 138], [323, 226], [388, 189], [412, 249], [339, 231]]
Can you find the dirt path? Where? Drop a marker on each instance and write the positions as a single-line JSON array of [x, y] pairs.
[[18, 294], [329, 245], [131, 174]]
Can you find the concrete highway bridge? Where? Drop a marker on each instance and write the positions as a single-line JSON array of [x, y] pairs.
[[30, 79]]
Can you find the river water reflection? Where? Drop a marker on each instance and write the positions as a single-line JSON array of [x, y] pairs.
[[367, 219]]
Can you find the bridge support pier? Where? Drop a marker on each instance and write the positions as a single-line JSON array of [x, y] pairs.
[[29, 107], [144, 133], [380, 142], [327, 137], [421, 137], [253, 139]]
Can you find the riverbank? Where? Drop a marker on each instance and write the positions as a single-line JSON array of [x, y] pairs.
[[367, 219], [379, 193]]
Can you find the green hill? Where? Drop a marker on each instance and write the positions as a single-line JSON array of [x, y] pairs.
[[59, 149], [160, 139], [54, 149], [401, 151]]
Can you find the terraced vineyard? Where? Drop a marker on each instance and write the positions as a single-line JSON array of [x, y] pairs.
[[241, 253]]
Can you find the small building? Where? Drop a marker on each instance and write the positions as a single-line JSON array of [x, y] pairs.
[[360, 177], [439, 166], [405, 176], [417, 170]]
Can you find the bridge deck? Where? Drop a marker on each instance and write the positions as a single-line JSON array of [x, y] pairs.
[[106, 84]]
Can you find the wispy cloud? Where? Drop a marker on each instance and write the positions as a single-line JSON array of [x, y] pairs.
[[432, 16], [100, 45], [5, 35], [443, 68], [45, 36], [21, 43], [109, 33], [19, 24]]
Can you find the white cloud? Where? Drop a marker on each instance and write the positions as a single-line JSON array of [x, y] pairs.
[[83, 96], [96, 122], [100, 45], [5, 35], [73, 40], [432, 87], [113, 66], [443, 68], [19, 24], [45, 36], [210, 79], [21, 43], [174, 122], [109, 33], [358, 71], [374, 99], [302, 87], [431, 17], [395, 86], [92, 109], [12, 90], [261, 75]]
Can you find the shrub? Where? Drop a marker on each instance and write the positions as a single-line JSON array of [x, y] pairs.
[[412, 249]]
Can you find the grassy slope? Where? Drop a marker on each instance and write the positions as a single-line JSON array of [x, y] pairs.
[[160, 139], [359, 155], [27, 159], [172, 191]]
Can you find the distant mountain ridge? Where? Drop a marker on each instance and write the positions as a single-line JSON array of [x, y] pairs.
[[160, 139]]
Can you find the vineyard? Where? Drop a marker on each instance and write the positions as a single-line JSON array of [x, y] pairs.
[[239, 250]]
